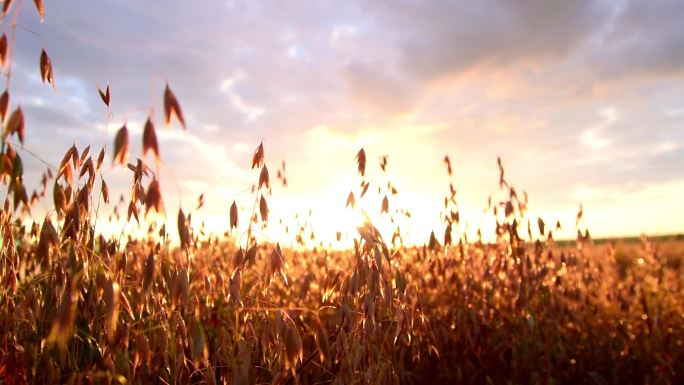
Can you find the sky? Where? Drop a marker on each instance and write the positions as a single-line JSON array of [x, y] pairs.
[[582, 100]]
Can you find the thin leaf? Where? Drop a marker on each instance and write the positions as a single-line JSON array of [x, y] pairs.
[[6, 6], [3, 49], [46, 72], [150, 139], [59, 198], [258, 158], [41, 10], [111, 298], [233, 216], [148, 274], [263, 209], [15, 124], [100, 159], [263, 178], [361, 160], [153, 198], [171, 106], [133, 210], [350, 200], [105, 192], [4, 103], [121, 146], [183, 232], [104, 95]]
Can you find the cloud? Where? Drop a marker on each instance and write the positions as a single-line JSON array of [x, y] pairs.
[[526, 80], [579, 48], [643, 37], [379, 89], [251, 112], [593, 137], [442, 38]]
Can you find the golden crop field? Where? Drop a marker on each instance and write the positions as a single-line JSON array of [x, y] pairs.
[[158, 303], [78, 307]]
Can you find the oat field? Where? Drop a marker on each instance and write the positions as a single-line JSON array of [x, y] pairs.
[[182, 305], [78, 307]]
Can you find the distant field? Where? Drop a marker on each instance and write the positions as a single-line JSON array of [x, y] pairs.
[[670, 238]]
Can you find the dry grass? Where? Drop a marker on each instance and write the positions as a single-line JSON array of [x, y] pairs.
[[79, 308]]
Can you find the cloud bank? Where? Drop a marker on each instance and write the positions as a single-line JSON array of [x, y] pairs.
[[583, 100]]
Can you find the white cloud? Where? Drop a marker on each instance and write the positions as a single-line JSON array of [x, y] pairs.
[[252, 112], [666, 147], [594, 137]]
